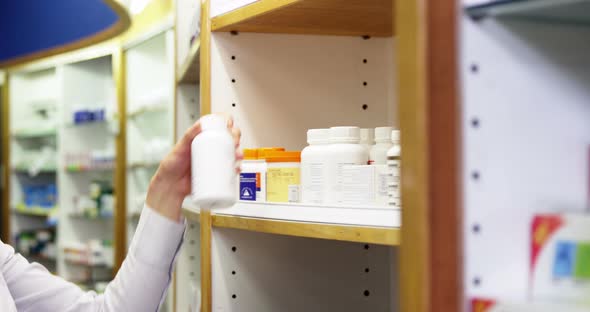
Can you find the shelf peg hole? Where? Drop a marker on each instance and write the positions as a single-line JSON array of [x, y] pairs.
[[234, 249], [365, 106], [233, 80], [233, 104], [365, 61], [367, 246], [475, 175], [365, 83], [234, 296], [476, 228], [367, 293], [233, 272], [476, 281], [233, 57], [474, 68], [367, 270], [475, 122]]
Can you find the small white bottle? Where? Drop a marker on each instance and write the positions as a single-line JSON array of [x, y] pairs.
[[313, 166], [344, 150], [213, 164], [378, 154], [393, 168], [367, 138]]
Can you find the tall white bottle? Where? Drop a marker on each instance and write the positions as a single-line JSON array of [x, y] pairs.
[[367, 138], [344, 149], [393, 168], [378, 154], [314, 158], [213, 162]]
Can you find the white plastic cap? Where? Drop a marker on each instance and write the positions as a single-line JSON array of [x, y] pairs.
[[318, 136], [345, 135], [213, 122], [395, 136], [383, 134], [367, 136]]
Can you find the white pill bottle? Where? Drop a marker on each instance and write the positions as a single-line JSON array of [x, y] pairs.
[[313, 166], [378, 154], [344, 150], [213, 164]]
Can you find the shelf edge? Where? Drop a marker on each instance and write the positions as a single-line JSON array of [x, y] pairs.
[[359, 234], [247, 12]]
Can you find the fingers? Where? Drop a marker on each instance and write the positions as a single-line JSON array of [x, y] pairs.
[[237, 135], [190, 134]]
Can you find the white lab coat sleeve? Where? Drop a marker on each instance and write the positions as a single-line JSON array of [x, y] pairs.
[[140, 284]]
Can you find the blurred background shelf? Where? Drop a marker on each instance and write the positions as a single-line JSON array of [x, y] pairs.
[[136, 112], [80, 168], [25, 170], [550, 11], [34, 133], [189, 70], [90, 217], [143, 164], [35, 211]]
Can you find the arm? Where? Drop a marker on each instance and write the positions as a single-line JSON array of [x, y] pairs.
[[141, 283]]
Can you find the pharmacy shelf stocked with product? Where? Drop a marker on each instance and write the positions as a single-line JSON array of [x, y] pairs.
[[33, 153], [150, 82], [243, 66], [188, 42], [87, 158]]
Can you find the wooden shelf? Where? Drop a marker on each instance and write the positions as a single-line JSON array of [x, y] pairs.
[[189, 72], [361, 234], [190, 210], [237, 218], [322, 17]]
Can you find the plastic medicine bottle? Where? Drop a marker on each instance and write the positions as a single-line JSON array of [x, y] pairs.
[[253, 177], [378, 155], [283, 176], [367, 138], [393, 169], [344, 149], [213, 164], [313, 166]]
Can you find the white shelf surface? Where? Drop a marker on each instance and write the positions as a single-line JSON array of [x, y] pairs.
[[359, 216]]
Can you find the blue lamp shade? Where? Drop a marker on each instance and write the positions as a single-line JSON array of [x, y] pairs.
[[31, 29]]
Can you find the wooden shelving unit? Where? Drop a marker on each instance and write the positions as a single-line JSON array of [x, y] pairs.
[[322, 17], [189, 70]]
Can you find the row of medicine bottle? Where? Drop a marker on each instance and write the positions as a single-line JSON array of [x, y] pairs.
[[343, 166]]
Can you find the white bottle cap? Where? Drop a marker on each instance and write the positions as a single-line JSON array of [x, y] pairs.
[[345, 135], [383, 134], [318, 136], [395, 136], [213, 122], [367, 136]]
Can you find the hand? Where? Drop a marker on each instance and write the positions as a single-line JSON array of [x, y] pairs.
[[172, 181]]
